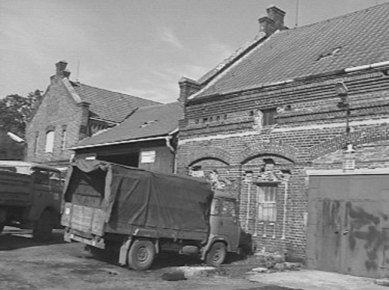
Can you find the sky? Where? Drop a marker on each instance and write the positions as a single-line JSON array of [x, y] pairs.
[[137, 47]]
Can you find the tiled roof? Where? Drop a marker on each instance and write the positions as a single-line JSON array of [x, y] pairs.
[[355, 39], [108, 105], [146, 122]]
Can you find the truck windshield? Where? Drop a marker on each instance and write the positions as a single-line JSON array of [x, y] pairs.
[[215, 208]]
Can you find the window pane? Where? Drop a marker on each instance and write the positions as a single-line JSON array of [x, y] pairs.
[[267, 206], [228, 208], [49, 141], [215, 210]]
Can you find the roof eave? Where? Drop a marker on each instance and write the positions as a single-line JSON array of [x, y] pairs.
[[161, 137]]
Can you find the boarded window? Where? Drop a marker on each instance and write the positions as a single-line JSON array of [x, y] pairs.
[[267, 202]]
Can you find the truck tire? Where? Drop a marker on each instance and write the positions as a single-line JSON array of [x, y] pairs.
[[3, 219], [216, 255], [44, 226], [141, 255]]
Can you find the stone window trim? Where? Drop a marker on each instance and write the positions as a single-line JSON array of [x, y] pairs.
[[50, 128]]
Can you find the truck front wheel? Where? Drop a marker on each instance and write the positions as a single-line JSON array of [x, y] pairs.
[[216, 255], [141, 255], [44, 226]]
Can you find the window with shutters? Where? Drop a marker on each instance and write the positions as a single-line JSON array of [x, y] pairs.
[[267, 202]]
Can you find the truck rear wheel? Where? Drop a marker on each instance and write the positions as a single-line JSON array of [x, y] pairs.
[[216, 255], [44, 226], [3, 218], [141, 255]]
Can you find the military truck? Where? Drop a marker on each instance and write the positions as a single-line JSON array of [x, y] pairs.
[[30, 197], [142, 213]]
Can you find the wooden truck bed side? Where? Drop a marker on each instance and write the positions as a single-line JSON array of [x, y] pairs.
[[15, 189], [109, 198]]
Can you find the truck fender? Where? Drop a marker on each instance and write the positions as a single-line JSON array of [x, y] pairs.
[[123, 252], [126, 247], [211, 241]]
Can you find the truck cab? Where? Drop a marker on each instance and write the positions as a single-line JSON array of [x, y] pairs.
[[30, 196], [225, 229]]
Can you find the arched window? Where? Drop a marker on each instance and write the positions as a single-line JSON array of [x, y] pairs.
[[49, 141]]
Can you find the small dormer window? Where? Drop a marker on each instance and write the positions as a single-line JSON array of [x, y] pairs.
[[145, 124], [329, 53]]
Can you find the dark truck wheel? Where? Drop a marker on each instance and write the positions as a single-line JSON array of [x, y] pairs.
[[141, 255], [44, 226], [216, 255], [3, 219]]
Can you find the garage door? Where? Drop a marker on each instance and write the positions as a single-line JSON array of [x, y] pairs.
[[348, 226]]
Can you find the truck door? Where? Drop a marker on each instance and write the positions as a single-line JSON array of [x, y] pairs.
[[224, 221], [41, 192], [56, 187]]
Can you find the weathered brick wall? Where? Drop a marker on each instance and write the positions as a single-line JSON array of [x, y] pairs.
[[58, 109], [310, 134]]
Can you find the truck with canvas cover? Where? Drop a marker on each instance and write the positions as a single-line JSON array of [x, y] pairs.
[[30, 197], [141, 213]]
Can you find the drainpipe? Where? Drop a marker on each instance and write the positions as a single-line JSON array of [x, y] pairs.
[[167, 139]]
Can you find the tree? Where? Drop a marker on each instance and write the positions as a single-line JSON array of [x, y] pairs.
[[15, 111]]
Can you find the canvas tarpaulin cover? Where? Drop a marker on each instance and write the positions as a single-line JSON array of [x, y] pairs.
[[136, 198]]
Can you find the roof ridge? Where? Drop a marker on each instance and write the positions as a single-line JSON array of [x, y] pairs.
[[337, 17], [222, 65], [158, 105], [116, 92]]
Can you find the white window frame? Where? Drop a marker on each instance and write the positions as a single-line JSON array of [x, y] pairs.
[[49, 148], [267, 202]]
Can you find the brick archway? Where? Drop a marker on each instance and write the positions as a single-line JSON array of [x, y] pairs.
[[210, 153], [284, 151]]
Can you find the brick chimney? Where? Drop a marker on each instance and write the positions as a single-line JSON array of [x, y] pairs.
[[61, 71], [273, 21], [187, 87]]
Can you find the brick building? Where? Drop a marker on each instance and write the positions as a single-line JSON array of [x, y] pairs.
[[71, 111], [278, 106], [147, 139]]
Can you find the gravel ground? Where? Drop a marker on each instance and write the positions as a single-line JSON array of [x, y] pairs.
[[56, 265]]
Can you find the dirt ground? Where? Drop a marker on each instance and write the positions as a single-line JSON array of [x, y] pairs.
[[26, 264]]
